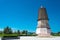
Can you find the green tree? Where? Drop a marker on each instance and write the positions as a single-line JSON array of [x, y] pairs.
[[18, 32], [7, 30], [25, 32], [58, 33]]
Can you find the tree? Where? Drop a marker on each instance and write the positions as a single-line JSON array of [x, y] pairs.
[[58, 33], [7, 30], [25, 32], [18, 32]]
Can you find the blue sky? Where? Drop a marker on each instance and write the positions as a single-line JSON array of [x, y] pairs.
[[23, 14]]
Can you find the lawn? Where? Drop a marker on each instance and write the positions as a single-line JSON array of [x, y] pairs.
[[1, 35]]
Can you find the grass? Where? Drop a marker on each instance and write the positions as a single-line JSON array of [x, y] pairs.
[[15, 34], [2, 35], [8, 35]]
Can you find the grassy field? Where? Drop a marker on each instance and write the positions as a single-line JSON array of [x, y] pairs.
[[14, 34], [1, 35]]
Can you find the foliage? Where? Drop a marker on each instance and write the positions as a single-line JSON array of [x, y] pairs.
[[7, 30], [24, 32], [18, 32], [55, 34]]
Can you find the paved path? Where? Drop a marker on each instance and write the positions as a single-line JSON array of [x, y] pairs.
[[39, 38]]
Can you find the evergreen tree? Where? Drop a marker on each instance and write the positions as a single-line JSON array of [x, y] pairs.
[[7, 30], [18, 32], [25, 32], [58, 33]]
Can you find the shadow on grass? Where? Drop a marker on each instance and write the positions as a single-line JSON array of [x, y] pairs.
[[10, 38]]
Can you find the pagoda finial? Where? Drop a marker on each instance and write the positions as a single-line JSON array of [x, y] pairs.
[[42, 6]]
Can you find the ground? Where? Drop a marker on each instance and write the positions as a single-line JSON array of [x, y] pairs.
[[37, 38], [40, 38]]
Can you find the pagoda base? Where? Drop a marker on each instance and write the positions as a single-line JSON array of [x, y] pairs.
[[44, 35], [43, 32]]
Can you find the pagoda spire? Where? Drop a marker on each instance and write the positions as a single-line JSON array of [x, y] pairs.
[[42, 14], [42, 6]]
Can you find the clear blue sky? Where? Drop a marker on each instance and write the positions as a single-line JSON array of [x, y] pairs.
[[23, 14]]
